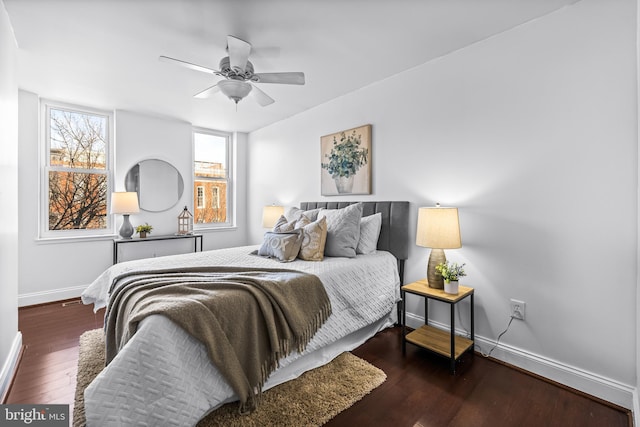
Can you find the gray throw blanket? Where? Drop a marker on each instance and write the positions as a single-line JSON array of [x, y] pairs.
[[246, 319]]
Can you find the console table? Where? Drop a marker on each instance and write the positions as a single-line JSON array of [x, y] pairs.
[[197, 242]]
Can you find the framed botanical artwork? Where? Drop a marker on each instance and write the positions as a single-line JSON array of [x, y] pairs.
[[346, 162]]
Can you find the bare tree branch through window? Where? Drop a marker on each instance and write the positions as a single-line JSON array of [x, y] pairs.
[[77, 172]]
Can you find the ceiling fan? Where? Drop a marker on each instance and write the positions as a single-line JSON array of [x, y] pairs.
[[239, 74]]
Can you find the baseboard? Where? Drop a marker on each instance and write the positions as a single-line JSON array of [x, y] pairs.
[[587, 382], [10, 366], [34, 298], [636, 407]]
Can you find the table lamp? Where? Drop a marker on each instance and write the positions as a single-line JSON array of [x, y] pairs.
[[438, 229], [125, 203], [271, 215]]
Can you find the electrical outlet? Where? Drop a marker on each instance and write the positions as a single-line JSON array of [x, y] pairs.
[[518, 309]]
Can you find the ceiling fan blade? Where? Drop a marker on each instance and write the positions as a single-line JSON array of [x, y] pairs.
[[262, 98], [188, 65], [238, 52], [207, 92], [282, 78]]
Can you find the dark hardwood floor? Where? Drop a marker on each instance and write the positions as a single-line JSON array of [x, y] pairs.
[[419, 390], [50, 337]]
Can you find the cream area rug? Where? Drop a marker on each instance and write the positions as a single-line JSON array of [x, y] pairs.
[[310, 400]]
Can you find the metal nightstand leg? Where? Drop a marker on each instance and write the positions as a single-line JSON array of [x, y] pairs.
[[453, 338], [404, 321], [473, 335]]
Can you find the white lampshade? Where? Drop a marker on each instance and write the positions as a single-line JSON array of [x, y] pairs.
[[124, 202], [439, 228], [234, 89], [270, 215]]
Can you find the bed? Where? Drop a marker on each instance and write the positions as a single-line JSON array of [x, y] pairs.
[[163, 376]]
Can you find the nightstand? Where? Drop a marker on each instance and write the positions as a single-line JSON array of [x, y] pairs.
[[444, 343]]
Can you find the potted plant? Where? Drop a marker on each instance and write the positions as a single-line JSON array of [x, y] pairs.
[[345, 159], [451, 272], [143, 230]]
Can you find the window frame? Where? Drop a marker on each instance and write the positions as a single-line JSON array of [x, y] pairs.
[[45, 167], [230, 163]]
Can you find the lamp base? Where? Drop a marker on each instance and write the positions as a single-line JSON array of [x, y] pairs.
[[433, 277], [126, 231]]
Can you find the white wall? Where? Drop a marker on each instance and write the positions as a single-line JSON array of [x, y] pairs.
[[636, 402], [52, 271], [533, 135], [10, 338], [136, 134], [140, 136]]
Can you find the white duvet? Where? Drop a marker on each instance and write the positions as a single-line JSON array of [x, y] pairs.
[[163, 376]]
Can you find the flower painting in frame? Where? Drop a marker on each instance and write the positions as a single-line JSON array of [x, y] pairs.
[[346, 162]]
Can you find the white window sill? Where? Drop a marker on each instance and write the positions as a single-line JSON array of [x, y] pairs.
[[75, 239], [205, 229]]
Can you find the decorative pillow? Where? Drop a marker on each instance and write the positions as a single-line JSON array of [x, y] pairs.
[[369, 233], [343, 230], [314, 238], [282, 246], [282, 226], [294, 214]]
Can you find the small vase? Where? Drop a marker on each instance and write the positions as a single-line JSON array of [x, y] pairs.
[[143, 234], [451, 287], [344, 184]]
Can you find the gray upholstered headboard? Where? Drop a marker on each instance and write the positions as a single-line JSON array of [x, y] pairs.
[[394, 234]]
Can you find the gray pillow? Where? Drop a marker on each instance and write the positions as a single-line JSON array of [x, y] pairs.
[[283, 226], [369, 233], [294, 214], [343, 230], [314, 235], [282, 246]]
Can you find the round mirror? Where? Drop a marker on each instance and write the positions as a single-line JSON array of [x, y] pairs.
[[159, 185]]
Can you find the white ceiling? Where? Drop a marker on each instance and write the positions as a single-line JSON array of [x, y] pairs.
[[104, 53]]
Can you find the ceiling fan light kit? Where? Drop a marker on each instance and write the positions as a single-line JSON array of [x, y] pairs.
[[235, 90], [238, 73]]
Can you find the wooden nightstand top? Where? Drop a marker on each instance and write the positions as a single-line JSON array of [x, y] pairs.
[[421, 287]]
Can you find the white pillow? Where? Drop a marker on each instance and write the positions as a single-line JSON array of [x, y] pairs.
[[369, 233], [343, 230]]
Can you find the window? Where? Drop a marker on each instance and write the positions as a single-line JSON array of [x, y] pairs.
[[76, 175], [212, 177], [215, 198], [200, 197]]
